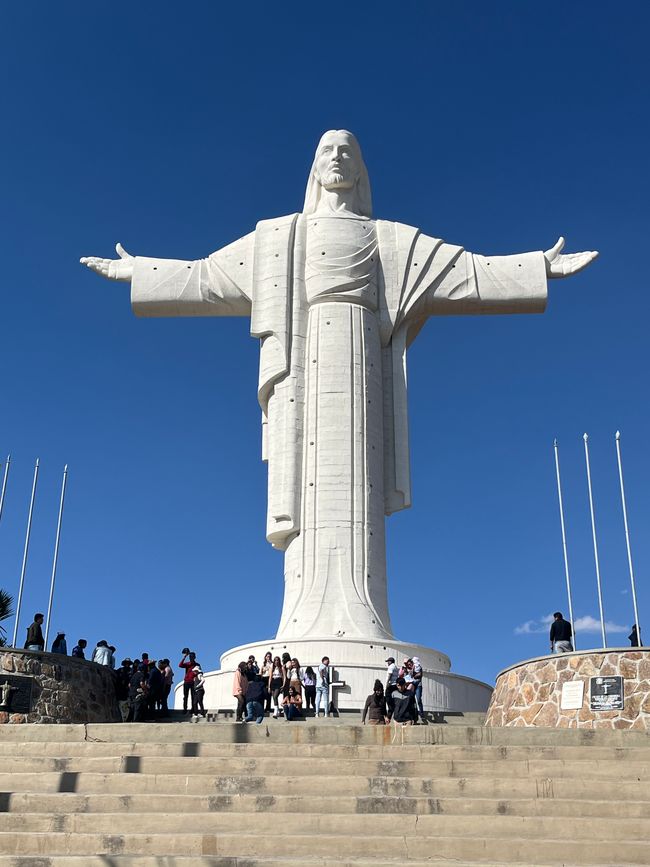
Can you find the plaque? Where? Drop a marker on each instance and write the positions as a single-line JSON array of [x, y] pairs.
[[607, 693], [573, 692], [15, 693]]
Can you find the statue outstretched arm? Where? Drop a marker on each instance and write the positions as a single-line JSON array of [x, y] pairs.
[[470, 283], [220, 285]]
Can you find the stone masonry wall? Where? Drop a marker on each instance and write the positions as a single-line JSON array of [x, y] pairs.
[[65, 689], [528, 694]]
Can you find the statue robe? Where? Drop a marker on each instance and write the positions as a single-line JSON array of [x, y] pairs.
[[263, 276]]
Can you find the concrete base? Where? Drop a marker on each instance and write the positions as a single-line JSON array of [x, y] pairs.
[[358, 663]]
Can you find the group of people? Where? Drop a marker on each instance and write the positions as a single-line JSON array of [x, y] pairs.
[[280, 683], [142, 687], [561, 635]]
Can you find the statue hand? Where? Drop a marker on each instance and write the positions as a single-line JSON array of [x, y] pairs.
[[558, 265], [113, 269]]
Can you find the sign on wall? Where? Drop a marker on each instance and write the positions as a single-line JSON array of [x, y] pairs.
[[607, 693], [573, 693]]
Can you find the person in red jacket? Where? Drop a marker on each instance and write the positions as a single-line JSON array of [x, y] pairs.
[[188, 662]]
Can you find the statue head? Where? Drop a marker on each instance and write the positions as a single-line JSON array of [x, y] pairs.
[[338, 165]]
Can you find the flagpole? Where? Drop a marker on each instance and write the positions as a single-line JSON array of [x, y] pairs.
[[56, 552], [627, 535], [593, 533], [24, 566], [564, 548], [4, 484]]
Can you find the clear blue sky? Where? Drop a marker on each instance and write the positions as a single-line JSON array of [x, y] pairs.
[[173, 129]]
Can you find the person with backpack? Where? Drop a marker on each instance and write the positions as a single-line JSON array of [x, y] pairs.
[[199, 691]]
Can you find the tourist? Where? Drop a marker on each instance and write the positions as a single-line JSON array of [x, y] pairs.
[[199, 691], [35, 640], [375, 708], [404, 709], [188, 662], [59, 644], [138, 694], [112, 659], [392, 673], [79, 648], [122, 683], [276, 684], [252, 668], [633, 637], [292, 705], [168, 678], [560, 634], [286, 664], [323, 687], [239, 687], [309, 688], [155, 686], [102, 653], [418, 673], [252, 664], [406, 672], [265, 674], [256, 694], [294, 674]]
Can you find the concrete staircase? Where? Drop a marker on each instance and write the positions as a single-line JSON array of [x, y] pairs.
[[321, 793]]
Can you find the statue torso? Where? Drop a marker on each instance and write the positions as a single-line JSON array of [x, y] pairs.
[[341, 260]]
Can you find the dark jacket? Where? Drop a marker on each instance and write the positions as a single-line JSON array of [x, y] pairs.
[[375, 708], [256, 691], [35, 635], [405, 708], [560, 630]]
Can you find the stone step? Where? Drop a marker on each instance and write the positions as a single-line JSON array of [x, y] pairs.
[[492, 786], [343, 752], [319, 733], [601, 850], [453, 804], [293, 765], [318, 824], [246, 861]]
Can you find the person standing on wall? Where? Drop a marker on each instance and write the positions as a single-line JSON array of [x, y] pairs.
[[560, 634], [35, 640]]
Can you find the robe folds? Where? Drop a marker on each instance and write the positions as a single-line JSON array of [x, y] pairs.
[[262, 275]]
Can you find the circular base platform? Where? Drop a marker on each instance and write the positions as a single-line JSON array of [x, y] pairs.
[[357, 663]]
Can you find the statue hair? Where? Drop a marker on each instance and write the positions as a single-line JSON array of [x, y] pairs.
[[362, 189]]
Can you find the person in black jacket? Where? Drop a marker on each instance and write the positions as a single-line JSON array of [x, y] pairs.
[[255, 699], [404, 708], [560, 635], [35, 640]]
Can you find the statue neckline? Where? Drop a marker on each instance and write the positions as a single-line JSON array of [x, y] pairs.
[[333, 215]]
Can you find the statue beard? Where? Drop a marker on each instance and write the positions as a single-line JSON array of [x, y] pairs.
[[334, 180]]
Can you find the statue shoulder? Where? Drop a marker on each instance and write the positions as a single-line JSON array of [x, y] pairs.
[[276, 223]]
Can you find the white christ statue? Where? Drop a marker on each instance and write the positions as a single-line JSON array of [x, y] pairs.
[[335, 298]]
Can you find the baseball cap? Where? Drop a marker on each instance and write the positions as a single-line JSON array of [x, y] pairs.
[[390, 659]]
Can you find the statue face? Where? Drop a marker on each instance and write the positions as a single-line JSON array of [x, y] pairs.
[[336, 164]]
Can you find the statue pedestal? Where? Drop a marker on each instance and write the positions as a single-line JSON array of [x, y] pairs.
[[356, 662]]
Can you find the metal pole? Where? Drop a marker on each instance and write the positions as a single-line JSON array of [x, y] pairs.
[[564, 549], [56, 553], [4, 484], [593, 533], [627, 535], [24, 566]]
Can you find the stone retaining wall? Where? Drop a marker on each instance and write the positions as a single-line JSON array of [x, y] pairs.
[[64, 689], [529, 693]]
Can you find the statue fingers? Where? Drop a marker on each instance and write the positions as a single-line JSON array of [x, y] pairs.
[[556, 249], [121, 252]]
